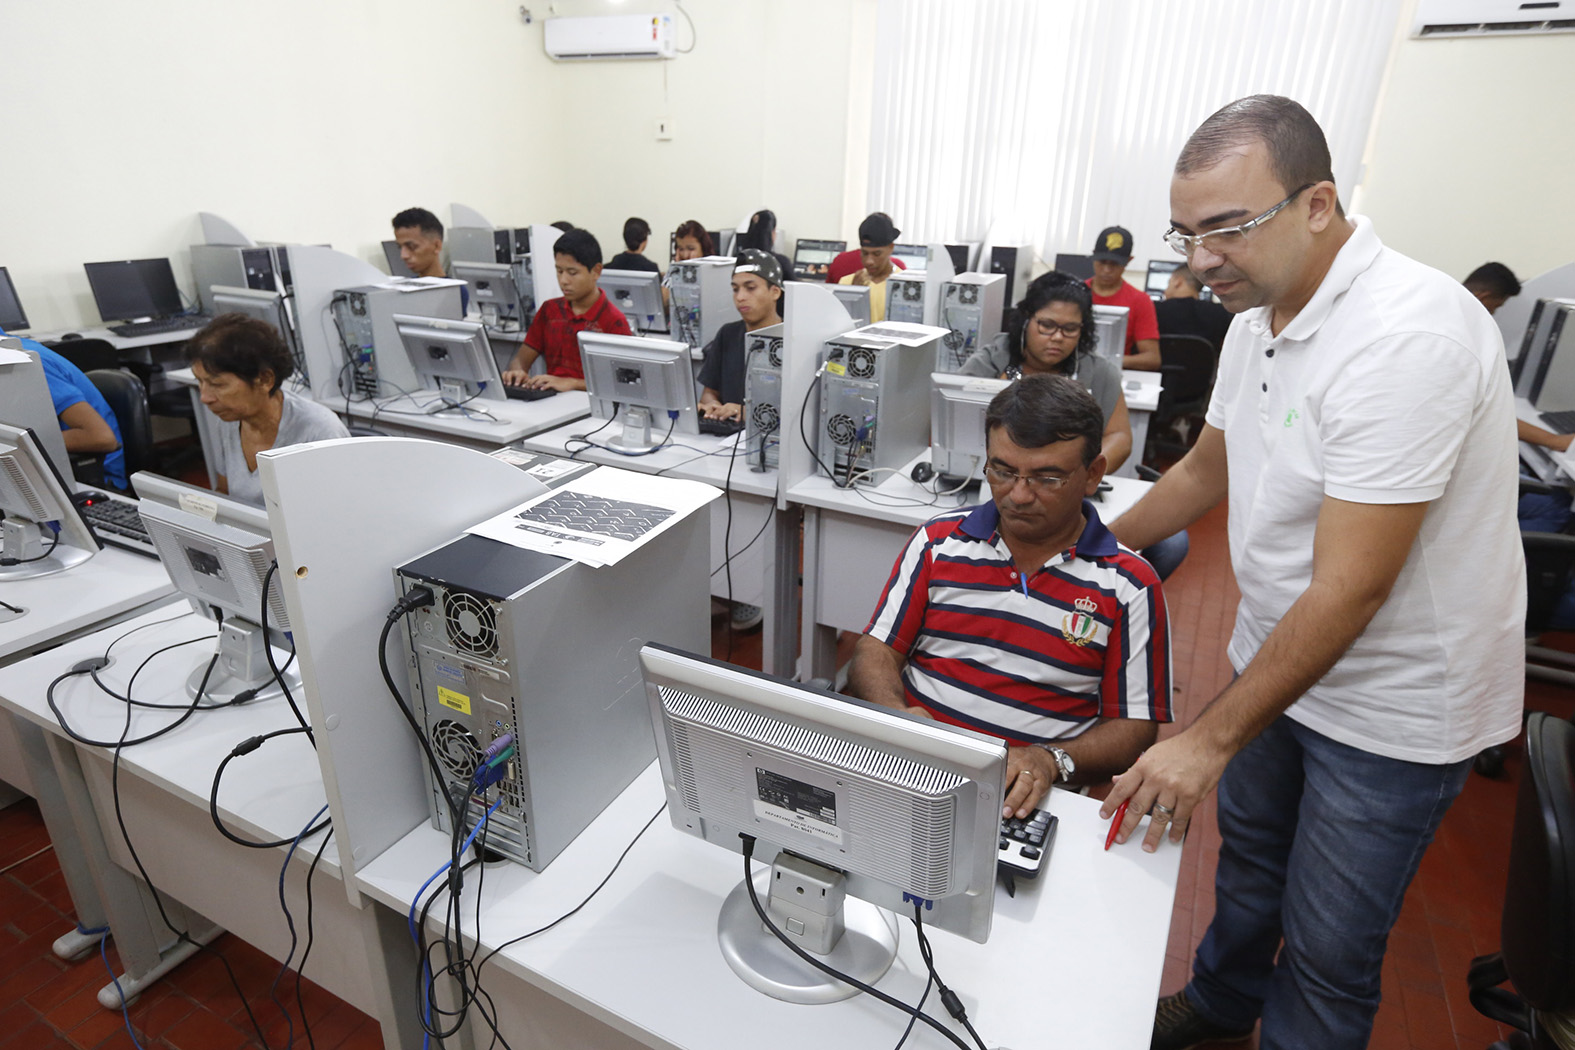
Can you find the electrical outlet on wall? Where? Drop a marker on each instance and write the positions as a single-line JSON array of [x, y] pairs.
[[664, 129]]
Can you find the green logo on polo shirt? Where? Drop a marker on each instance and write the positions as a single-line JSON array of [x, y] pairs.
[[1291, 416]]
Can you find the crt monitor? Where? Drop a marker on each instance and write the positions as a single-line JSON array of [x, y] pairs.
[[218, 552], [12, 317], [812, 259], [1110, 332], [647, 383], [494, 291], [1081, 266], [638, 293], [855, 298], [42, 532], [262, 306], [843, 797], [452, 357], [396, 262], [134, 290], [957, 408], [916, 257]]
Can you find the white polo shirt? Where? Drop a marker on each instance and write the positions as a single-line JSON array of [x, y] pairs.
[[1388, 387]]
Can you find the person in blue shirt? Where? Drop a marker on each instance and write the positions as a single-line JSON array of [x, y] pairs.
[[87, 423]]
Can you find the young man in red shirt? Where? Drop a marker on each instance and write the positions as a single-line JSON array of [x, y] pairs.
[[1112, 251], [555, 331]]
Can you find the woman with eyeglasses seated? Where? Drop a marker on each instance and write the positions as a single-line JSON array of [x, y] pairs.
[[241, 364]]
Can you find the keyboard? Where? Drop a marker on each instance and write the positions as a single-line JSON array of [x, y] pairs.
[[159, 325], [117, 522], [527, 393], [1025, 844], [721, 427], [1560, 422]]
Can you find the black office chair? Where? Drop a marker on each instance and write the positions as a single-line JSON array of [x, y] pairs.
[[1186, 370], [1537, 932], [87, 354], [129, 401]]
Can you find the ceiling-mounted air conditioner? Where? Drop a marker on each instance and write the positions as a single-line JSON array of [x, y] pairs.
[[609, 36], [1443, 19]]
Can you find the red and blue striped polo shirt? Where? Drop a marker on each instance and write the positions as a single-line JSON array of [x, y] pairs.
[[1026, 659]]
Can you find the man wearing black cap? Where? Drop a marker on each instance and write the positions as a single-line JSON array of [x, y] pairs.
[[877, 238], [1112, 251]]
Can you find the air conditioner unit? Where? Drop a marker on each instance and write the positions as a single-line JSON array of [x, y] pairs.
[[609, 36], [1442, 19]]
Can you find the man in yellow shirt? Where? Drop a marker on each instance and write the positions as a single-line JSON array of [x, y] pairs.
[[877, 237]]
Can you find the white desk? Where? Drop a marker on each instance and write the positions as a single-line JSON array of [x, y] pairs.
[[1141, 390], [1075, 960], [763, 571], [164, 789], [401, 417], [121, 343], [852, 538]]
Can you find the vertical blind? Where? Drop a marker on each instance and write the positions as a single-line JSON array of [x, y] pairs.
[[1043, 121]]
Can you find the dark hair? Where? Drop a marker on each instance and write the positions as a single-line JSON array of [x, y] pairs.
[[1191, 278], [421, 219], [1495, 279], [242, 346], [692, 228], [635, 233], [1040, 410], [1298, 152], [762, 225], [562, 224], [1047, 288], [582, 245]]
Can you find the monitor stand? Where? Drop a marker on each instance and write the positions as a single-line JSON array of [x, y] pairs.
[[242, 665], [22, 540], [857, 938], [636, 436]]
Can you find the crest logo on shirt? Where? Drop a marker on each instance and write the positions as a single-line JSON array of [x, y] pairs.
[[1078, 627]]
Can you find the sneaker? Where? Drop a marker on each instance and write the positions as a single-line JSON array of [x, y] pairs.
[[1179, 1026], [746, 617]]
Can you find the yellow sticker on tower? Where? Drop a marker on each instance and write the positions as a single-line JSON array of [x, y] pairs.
[[836, 369], [457, 700]]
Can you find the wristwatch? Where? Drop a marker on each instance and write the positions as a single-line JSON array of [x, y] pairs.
[[1064, 765]]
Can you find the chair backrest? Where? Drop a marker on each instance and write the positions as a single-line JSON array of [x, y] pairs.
[[1537, 937], [86, 354], [128, 399], [1550, 565], [1186, 367]]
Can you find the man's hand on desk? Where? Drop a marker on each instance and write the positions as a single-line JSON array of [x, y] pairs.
[[1030, 771], [546, 382], [1176, 775], [718, 410]]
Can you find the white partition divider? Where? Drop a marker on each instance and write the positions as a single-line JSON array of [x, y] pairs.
[[1515, 315], [465, 215], [344, 514], [315, 274], [812, 316], [937, 271], [543, 274], [218, 230]]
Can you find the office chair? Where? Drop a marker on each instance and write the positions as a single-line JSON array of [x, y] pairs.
[[87, 354], [1186, 369], [129, 401], [1537, 932]]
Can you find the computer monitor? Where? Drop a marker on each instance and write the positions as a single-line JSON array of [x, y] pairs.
[[963, 256], [396, 262], [638, 293], [452, 357], [217, 551], [263, 306], [855, 298], [1110, 332], [843, 799], [957, 433], [812, 259], [42, 529], [648, 383], [134, 290], [496, 293], [723, 240], [1158, 278], [1077, 265], [916, 257], [12, 317]]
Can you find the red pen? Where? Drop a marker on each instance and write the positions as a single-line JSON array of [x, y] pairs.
[[1115, 823]]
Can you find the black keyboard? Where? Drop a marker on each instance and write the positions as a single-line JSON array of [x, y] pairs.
[[1025, 844], [527, 393], [1560, 422], [721, 427], [116, 521], [158, 326]]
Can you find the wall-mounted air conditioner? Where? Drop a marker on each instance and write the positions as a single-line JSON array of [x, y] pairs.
[[1443, 19], [609, 36]]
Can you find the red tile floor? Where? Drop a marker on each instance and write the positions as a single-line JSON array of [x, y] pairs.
[[1450, 914]]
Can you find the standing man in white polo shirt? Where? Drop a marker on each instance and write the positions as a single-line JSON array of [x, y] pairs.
[[1362, 426]]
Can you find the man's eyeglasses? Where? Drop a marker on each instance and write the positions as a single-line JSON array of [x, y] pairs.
[[1050, 328], [1220, 242], [1035, 482]]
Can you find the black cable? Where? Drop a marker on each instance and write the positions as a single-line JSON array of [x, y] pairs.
[[53, 543], [771, 511], [831, 971], [300, 969], [929, 983], [804, 435], [278, 674], [672, 421], [246, 747], [582, 437], [949, 998], [289, 922], [187, 711], [727, 539]]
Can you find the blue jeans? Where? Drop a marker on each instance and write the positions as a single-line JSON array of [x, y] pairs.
[[1167, 554], [1320, 840]]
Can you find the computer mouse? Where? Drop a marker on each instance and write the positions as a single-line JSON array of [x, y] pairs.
[[63, 336], [922, 472]]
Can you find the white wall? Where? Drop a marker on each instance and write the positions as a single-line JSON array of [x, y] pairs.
[[317, 120], [1472, 154]]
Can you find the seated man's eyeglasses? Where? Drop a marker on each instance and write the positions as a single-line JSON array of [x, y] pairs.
[[1220, 242], [1035, 482]]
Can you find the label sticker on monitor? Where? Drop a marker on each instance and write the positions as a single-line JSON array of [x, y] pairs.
[[797, 805], [454, 699], [196, 503]]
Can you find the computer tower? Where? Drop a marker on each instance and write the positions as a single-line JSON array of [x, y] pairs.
[[1527, 366], [875, 397], [905, 297], [260, 268], [370, 349], [763, 397], [545, 649], [1553, 389], [477, 244], [1016, 262], [972, 305], [701, 299]]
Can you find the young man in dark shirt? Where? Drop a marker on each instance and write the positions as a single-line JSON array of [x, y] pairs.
[[636, 235], [583, 307], [757, 294], [1182, 312]]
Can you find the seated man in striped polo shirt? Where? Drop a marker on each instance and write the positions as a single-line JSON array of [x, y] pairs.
[[1023, 617]]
